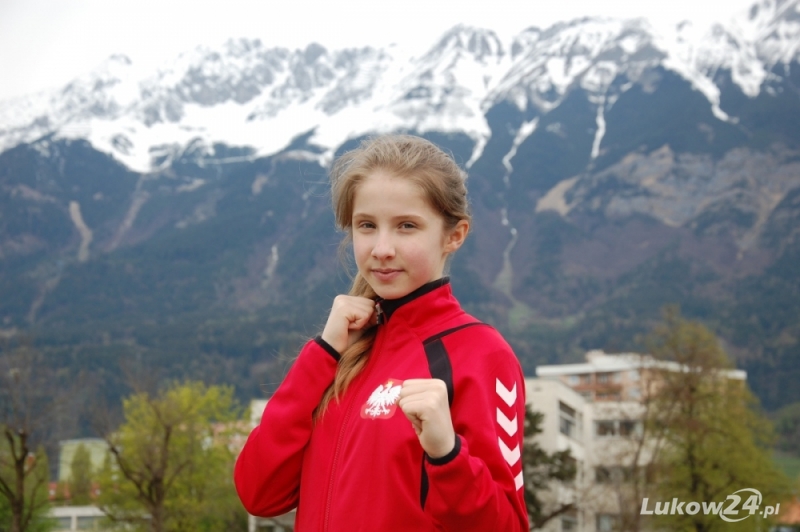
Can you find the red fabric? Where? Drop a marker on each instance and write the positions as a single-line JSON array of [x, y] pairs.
[[351, 472]]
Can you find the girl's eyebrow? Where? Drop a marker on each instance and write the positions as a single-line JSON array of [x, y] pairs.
[[409, 216]]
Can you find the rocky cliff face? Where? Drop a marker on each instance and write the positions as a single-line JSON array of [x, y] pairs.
[[182, 215]]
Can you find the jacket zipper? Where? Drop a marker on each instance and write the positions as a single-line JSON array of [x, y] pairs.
[[345, 423]]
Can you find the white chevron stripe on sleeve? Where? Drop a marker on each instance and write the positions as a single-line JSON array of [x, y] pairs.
[[518, 480], [508, 396], [511, 456], [508, 425]]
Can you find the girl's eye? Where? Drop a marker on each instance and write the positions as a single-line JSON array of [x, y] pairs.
[[407, 225], [366, 225]]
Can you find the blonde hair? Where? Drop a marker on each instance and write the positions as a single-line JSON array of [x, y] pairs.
[[443, 185]]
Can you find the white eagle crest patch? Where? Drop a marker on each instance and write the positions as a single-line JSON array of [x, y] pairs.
[[382, 403]]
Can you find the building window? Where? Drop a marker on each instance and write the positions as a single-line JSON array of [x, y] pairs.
[[630, 428], [573, 380], [567, 420], [569, 524], [586, 379], [604, 428], [607, 523], [607, 396], [634, 393], [633, 375], [624, 427], [63, 523], [604, 378], [88, 522]]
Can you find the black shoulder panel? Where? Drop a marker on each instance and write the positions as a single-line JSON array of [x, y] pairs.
[[439, 359]]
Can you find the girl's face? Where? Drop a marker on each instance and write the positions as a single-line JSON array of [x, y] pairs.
[[399, 240]]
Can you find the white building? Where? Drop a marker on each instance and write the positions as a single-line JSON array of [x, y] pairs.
[[564, 426], [595, 410], [69, 518]]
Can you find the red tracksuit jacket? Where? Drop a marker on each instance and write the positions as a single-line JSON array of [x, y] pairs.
[[361, 467]]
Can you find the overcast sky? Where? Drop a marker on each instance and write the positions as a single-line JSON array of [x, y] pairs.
[[46, 43]]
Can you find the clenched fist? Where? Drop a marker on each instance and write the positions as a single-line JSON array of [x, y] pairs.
[[349, 317], [424, 402]]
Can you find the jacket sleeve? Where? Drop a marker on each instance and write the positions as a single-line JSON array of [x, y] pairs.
[[267, 471], [478, 486]]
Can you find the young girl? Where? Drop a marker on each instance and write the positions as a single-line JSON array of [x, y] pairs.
[[406, 413]]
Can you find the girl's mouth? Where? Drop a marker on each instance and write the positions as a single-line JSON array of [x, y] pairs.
[[386, 274]]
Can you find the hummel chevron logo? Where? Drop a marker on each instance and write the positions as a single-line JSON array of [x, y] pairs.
[[508, 396], [518, 480], [509, 425], [511, 456]]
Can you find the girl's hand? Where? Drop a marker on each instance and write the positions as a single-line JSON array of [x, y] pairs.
[[424, 402], [349, 316]]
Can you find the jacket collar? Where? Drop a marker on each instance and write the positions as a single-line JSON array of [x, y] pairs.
[[387, 307]]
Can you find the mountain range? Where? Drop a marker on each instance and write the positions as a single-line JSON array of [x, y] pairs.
[[179, 219]]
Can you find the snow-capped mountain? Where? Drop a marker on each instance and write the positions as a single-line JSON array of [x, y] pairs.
[[244, 94]]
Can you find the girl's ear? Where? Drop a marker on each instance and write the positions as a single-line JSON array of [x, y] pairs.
[[456, 236]]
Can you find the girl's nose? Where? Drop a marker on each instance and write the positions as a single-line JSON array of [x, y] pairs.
[[383, 248]]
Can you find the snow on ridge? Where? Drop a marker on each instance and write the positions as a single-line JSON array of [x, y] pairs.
[[245, 94], [750, 44], [589, 51]]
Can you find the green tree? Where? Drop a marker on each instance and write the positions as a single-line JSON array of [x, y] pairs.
[[787, 427], [542, 471], [24, 478], [5, 513], [171, 461], [715, 441], [25, 412], [80, 482]]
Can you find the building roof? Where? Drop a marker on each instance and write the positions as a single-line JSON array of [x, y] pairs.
[[597, 361], [789, 513]]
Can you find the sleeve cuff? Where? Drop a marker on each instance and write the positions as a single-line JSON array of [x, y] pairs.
[[449, 457], [328, 348]]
